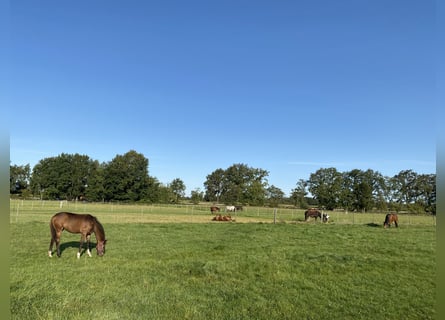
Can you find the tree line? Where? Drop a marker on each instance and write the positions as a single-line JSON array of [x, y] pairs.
[[78, 177], [126, 178]]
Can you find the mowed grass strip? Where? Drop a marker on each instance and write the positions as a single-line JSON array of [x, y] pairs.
[[226, 271]]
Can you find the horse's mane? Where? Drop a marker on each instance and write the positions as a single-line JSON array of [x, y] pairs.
[[98, 228]]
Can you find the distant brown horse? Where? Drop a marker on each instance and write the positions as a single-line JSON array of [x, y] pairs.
[[314, 213], [214, 209], [85, 224], [222, 218], [390, 218]]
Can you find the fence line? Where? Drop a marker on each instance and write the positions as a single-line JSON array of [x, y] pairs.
[[199, 213]]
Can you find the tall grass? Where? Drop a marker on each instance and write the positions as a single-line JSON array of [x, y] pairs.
[[222, 270]]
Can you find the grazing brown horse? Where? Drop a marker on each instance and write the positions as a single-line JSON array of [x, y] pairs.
[[390, 218], [85, 224], [214, 209], [314, 213]]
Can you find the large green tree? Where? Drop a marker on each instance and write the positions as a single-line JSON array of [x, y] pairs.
[[62, 177], [275, 196], [95, 190], [214, 185], [358, 190], [196, 196], [427, 192], [256, 193], [299, 194], [326, 186], [364, 190], [19, 177], [126, 177], [414, 190], [402, 186], [178, 188], [153, 191], [238, 183]]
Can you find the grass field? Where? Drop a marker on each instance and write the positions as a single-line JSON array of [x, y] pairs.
[[174, 263]]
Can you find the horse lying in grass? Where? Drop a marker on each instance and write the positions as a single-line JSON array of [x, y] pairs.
[[222, 218]]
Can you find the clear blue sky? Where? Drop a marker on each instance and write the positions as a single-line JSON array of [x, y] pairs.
[[285, 86]]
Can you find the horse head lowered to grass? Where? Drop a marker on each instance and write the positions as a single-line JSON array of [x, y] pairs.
[[315, 213], [85, 224], [389, 219]]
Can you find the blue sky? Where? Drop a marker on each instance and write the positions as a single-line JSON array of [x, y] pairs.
[[285, 86]]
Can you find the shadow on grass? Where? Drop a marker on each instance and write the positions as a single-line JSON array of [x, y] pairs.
[[75, 244], [373, 224]]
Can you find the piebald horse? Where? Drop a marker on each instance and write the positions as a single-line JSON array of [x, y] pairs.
[[85, 224]]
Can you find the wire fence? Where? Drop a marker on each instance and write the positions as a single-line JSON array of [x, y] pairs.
[[40, 210]]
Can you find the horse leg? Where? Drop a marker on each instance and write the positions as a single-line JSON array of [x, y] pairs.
[[57, 240], [88, 245], [395, 222], [82, 240], [50, 250]]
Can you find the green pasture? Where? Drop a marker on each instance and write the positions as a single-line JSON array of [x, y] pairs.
[[37, 210], [173, 262]]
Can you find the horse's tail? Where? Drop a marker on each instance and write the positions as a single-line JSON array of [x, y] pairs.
[[52, 229]]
